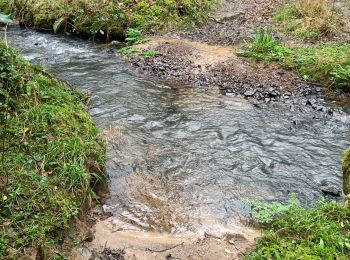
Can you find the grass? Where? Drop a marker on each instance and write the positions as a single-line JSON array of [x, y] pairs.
[[148, 54], [309, 19], [328, 64], [51, 156], [346, 172], [109, 19], [292, 232]]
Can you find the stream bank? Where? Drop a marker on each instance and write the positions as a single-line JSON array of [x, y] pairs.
[[51, 157], [180, 160]]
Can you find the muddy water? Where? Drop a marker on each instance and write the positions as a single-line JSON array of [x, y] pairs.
[[181, 160]]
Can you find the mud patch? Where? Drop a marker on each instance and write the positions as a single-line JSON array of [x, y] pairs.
[[148, 245]]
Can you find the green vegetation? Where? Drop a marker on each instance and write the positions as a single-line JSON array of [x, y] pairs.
[[321, 232], [150, 54], [346, 172], [309, 19], [51, 157], [128, 51], [327, 64], [134, 37], [109, 19]]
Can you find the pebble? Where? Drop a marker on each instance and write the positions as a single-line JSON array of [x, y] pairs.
[[249, 93]]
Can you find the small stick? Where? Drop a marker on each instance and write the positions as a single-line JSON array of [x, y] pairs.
[[163, 250]]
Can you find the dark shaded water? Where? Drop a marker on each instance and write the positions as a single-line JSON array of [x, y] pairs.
[[181, 159]]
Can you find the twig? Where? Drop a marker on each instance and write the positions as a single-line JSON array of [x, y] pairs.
[[165, 249], [215, 20]]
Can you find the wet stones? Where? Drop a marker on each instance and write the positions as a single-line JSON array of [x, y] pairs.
[[273, 92], [330, 188], [249, 93], [262, 86]]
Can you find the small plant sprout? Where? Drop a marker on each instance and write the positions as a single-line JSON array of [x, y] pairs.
[[150, 54]]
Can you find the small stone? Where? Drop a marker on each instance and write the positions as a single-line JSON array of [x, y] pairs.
[[330, 188], [319, 108], [273, 92], [249, 93], [85, 252], [311, 102]]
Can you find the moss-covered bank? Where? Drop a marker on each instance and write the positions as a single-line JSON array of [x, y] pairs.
[[51, 156], [108, 19], [321, 232], [346, 172]]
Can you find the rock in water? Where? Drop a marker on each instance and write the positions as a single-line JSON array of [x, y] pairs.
[[249, 93], [330, 188]]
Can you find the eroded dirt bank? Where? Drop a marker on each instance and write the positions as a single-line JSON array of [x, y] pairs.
[[113, 240]]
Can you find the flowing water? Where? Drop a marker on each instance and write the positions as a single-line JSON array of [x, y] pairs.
[[181, 160]]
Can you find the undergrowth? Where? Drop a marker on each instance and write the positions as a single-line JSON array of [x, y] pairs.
[[291, 232], [328, 64], [51, 156], [346, 172], [309, 19], [110, 19]]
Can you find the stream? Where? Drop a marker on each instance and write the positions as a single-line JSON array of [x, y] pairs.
[[182, 160]]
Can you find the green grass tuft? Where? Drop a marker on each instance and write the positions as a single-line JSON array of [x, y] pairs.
[[51, 156], [321, 232], [328, 64], [309, 19], [346, 172], [148, 54]]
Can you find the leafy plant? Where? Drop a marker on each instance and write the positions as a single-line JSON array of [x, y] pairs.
[[5, 19], [264, 46], [134, 37], [128, 51], [57, 26], [266, 212], [150, 54]]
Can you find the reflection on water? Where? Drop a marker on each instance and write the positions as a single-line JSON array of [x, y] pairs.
[[179, 159]]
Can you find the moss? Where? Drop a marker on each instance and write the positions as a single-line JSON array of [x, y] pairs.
[[111, 19], [51, 156], [346, 172]]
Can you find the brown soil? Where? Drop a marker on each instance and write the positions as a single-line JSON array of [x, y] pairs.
[[109, 237]]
